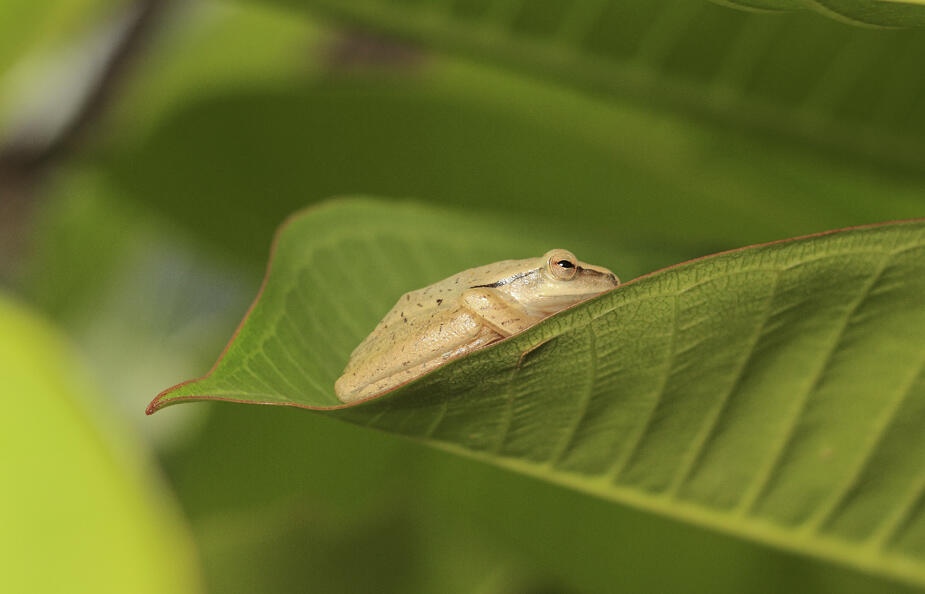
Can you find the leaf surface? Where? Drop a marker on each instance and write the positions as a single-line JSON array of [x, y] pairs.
[[774, 392], [794, 73], [884, 13]]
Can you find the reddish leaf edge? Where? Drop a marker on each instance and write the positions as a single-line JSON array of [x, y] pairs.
[[163, 399]]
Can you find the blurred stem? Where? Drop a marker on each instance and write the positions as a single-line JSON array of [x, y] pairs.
[[25, 160]]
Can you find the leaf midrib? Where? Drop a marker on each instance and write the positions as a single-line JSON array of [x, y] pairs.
[[818, 545]]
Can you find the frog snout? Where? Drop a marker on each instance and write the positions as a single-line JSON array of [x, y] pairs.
[[611, 278], [607, 275]]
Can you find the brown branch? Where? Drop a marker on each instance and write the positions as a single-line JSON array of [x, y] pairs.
[[23, 162]]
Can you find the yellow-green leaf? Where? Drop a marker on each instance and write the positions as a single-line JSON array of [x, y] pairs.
[[80, 510]]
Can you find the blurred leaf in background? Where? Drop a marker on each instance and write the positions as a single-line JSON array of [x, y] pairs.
[[453, 132], [81, 507], [141, 300], [897, 13]]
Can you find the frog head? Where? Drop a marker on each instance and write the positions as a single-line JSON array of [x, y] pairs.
[[556, 281]]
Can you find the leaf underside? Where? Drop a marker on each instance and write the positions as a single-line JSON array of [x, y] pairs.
[[886, 13], [775, 392], [854, 89]]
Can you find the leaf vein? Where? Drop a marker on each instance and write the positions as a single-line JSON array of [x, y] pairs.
[[584, 403], [896, 521], [708, 431], [508, 411], [766, 473], [622, 462], [438, 419], [828, 509]]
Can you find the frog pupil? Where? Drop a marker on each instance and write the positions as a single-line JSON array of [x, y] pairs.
[[565, 264]]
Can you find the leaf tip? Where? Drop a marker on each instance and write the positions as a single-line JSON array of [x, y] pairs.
[[163, 399], [155, 405]]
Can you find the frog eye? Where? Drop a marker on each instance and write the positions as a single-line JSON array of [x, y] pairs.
[[562, 264]]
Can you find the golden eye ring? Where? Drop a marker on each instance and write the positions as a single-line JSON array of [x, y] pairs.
[[561, 264]]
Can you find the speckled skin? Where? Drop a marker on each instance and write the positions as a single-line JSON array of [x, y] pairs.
[[460, 314]]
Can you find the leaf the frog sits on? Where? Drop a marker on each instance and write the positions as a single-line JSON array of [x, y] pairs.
[[460, 314]]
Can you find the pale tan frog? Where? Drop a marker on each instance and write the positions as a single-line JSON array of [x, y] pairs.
[[469, 310]]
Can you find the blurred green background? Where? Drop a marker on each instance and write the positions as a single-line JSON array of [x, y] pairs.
[[149, 149]]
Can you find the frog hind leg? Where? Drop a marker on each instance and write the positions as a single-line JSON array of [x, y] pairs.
[[496, 312], [484, 337]]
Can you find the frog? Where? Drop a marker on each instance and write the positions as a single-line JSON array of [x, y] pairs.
[[463, 313]]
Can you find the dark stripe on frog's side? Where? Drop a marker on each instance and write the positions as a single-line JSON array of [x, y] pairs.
[[504, 281]]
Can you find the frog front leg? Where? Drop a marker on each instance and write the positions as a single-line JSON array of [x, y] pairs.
[[497, 312]]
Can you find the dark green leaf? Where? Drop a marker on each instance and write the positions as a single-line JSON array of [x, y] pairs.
[[848, 88], [885, 13]]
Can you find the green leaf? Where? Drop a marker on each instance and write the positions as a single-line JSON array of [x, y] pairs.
[[683, 187], [885, 13], [794, 74], [80, 507], [773, 392], [221, 46], [763, 5]]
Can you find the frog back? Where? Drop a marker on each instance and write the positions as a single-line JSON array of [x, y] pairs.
[[427, 324]]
